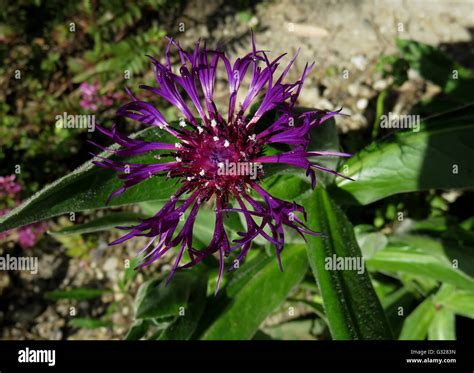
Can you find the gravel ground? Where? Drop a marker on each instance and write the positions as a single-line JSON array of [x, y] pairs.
[[340, 36]]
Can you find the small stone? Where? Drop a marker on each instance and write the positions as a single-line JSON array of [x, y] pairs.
[[380, 85], [362, 104], [359, 61], [353, 89], [413, 74], [111, 264]]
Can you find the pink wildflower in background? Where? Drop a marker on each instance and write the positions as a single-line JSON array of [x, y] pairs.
[[26, 236]]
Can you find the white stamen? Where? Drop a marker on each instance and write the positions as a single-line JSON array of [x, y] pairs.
[[178, 159], [252, 137], [189, 178], [200, 130], [213, 123], [182, 123], [215, 138], [226, 144], [178, 145], [202, 172]]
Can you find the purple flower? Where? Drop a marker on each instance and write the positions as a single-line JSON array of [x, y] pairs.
[[218, 157]]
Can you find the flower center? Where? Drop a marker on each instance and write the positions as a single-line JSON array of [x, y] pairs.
[[220, 159]]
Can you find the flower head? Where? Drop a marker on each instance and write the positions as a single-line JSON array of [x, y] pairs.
[[219, 157]]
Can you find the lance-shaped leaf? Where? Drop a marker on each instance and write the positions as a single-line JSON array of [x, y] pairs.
[[416, 325], [173, 311], [351, 304], [158, 300], [185, 325], [438, 156], [255, 290], [101, 224], [88, 187]]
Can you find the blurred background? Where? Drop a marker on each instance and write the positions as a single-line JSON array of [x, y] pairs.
[[372, 57]]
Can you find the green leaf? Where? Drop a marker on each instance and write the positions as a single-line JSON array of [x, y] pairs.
[[351, 304], [460, 302], [443, 326], [410, 161], [424, 256], [318, 308], [401, 299], [90, 323], [88, 187], [416, 325], [170, 312], [255, 290], [287, 187], [129, 274], [101, 224], [369, 240], [185, 325], [430, 317], [157, 300], [138, 330], [75, 294]]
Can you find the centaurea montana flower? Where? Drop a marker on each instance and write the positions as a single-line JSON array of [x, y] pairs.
[[206, 140]]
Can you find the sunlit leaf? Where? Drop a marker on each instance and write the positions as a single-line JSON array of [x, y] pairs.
[[351, 305]]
